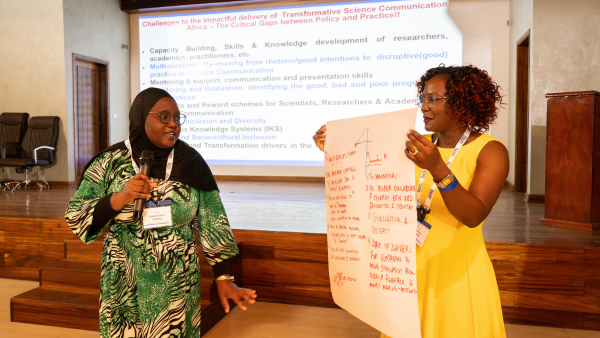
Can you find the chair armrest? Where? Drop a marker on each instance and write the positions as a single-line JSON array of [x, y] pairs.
[[9, 145], [38, 148]]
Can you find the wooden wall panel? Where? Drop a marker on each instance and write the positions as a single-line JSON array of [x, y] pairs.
[[535, 252], [549, 285], [506, 298], [53, 250], [504, 268], [503, 252], [569, 271], [259, 252], [295, 255], [296, 275], [138, 6], [592, 256], [20, 225], [20, 249], [524, 316], [294, 296], [543, 285], [27, 261], [40, 237], [591, 321], [286, 267], [539, 284], [26, 243], [55, 227], [541, 300], [592, 288]]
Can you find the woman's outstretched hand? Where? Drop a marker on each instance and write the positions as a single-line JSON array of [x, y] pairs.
[[139, 186], [425, 155], [227, 289], [320, 137]]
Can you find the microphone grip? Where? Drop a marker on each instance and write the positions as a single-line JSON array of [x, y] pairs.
[[138, 206]]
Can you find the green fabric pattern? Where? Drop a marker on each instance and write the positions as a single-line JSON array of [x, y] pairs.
[[150, 279]]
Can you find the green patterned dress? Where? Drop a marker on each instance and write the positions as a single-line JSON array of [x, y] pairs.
[[150, 281]]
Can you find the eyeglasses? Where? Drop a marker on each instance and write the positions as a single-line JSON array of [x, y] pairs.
[[430, 100], [165, 117]]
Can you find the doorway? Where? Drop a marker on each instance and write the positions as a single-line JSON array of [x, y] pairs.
[[522, 115], [90, 109]]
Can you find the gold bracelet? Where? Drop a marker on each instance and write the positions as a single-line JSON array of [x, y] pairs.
[[225, 277]]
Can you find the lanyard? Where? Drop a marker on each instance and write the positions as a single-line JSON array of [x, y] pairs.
[[423, 210], [161, 189]]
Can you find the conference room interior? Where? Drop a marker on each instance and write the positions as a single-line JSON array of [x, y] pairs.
[[543, 235]]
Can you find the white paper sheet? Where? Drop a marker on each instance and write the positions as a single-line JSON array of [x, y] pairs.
[[371, 221]]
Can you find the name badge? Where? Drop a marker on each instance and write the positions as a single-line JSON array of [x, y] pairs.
[[422, 232], [157, 215]]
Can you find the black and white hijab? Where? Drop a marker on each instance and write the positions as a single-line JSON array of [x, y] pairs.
[[188, 165]]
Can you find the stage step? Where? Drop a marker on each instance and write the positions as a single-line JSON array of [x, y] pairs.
[[24, 267], [77, 249], [68, 295], [75, 309], [69, 274]]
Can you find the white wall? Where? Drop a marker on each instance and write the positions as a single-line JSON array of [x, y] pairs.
[[521, 16], [33, 70], [565, 57], [98, 29], [485, 45], [37, 40]]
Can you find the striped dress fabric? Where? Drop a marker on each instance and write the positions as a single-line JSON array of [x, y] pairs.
[[150, 279]]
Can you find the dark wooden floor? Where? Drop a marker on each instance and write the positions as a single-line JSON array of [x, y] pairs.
[[300, 207]]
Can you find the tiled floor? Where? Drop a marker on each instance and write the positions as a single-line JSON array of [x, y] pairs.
[[262, 320]]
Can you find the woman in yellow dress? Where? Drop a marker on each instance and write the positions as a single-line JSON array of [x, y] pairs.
[[456, 285]]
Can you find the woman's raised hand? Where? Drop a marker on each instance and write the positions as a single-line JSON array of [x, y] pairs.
[[425, 155], [320, 137], [139, 186]]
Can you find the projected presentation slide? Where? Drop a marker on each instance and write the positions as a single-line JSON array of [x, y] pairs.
[[256, 84]]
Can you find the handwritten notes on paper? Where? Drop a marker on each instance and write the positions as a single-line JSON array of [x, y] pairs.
[[371, 221]]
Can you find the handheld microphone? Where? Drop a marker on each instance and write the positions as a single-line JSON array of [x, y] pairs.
[[146, 161]]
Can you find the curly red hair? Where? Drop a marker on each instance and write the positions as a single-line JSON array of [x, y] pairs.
[[473, 97]]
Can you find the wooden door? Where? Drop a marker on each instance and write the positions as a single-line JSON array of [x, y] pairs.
[[90, 111], [522, 115]]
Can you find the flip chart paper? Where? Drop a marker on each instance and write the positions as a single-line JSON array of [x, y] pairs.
[[371, 221]]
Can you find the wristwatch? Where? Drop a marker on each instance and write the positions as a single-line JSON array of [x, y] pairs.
[[446, 181]]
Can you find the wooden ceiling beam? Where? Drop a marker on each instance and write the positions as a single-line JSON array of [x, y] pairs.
[[144, 6]]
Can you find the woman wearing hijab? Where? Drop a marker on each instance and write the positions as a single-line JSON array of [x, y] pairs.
[[150, 280]]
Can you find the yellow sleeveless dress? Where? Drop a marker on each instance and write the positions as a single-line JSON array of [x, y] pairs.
[[456, 284]]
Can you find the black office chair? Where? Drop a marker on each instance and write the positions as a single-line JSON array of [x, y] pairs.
[[36, 149], [12, 129]]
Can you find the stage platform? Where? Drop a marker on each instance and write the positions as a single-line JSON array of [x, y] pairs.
[[546, 275], [300, 207]]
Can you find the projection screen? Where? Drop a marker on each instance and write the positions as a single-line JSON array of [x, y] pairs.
[[256, 83]]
